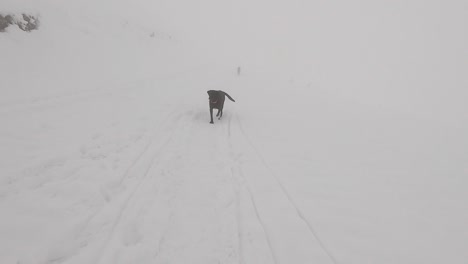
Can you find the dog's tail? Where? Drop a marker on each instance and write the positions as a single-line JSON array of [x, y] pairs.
[[230, 98]]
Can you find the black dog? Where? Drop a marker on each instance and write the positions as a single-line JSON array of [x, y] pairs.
[[217, 101]]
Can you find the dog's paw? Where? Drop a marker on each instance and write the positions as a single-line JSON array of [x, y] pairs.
[[211, 122]]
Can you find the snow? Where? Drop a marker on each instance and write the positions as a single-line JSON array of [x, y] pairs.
[[346, 143]]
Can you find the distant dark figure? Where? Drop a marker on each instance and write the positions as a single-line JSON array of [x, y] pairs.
[[238, 71], [216, 99]]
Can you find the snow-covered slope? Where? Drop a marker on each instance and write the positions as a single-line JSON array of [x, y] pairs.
[[346, 143]]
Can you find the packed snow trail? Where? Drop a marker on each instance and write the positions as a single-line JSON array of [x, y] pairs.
[[195, 204], [188, 191], [197, 192]]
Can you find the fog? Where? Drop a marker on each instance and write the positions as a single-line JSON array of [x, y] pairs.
[[405, 54], [347, 141]]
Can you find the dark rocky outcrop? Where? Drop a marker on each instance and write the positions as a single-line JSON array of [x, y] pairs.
[[24, 21]]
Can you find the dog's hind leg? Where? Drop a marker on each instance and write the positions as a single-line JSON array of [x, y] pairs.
[[221, 115], [219, 111]]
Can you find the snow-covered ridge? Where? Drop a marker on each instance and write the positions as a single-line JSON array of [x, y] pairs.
[[79, 46], [24, 21], [101, 19]]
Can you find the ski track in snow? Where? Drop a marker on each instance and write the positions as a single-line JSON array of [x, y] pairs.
[[133, 193], [237, 173], [260, 220], [148, 150], [299, 212], [178, 137]]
